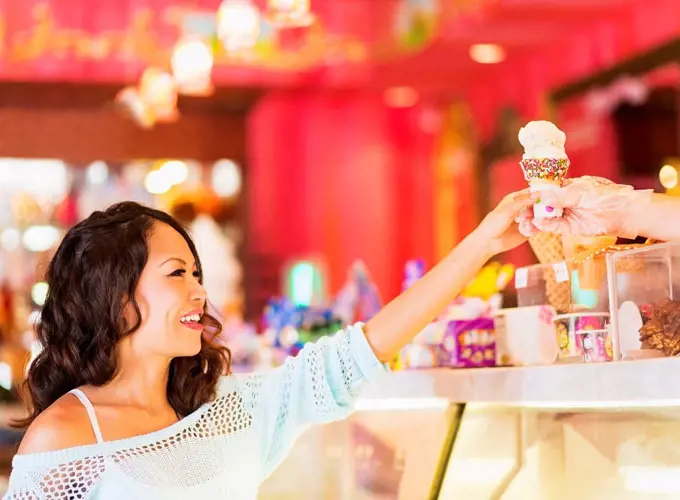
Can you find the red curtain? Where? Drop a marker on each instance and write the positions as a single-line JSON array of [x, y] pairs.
[[342, 176]]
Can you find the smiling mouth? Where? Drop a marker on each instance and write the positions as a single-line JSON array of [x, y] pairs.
[[192, 321]]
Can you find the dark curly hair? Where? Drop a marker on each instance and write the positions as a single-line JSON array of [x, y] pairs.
[[92, 278]]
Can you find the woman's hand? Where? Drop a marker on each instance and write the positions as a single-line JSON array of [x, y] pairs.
[[499, 230]]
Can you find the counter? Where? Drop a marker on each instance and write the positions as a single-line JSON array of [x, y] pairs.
[[626, 383], [559, 432]]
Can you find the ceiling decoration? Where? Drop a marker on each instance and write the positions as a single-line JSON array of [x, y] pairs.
[[435, 46]]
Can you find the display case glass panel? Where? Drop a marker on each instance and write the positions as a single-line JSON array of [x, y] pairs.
[[563, 453], [376, 454]]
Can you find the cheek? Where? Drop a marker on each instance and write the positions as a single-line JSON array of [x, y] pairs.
[[158, 302]]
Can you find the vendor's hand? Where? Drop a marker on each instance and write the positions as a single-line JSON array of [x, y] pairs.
[[591, 206], [499, 230]]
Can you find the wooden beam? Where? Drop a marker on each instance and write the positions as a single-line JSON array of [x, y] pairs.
[[637, 65], [60, 95], [85, 135]]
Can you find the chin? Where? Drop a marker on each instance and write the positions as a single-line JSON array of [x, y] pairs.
[[188, 347]]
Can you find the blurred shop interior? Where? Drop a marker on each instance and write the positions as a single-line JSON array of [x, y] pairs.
[[324, 155]]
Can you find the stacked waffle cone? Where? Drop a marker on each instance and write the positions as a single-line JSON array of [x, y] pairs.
[[592, 265], [549, 249]]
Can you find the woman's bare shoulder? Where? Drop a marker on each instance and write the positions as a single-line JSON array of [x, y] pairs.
[[65, 424]]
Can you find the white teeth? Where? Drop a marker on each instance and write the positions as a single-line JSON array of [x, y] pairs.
[[190, 318]]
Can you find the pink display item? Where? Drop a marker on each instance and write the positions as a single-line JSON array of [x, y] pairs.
[[569, 329], [596, 346]]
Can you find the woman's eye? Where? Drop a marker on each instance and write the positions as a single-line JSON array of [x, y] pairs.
[[178, 272]]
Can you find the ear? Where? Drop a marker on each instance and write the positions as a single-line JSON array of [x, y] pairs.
[[130, 314]]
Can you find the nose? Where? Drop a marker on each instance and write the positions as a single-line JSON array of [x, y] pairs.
[[198, 293]]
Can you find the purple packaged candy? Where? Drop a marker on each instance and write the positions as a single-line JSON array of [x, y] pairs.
[[471, 343]]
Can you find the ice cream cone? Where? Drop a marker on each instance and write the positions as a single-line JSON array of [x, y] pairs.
[[545, 163]]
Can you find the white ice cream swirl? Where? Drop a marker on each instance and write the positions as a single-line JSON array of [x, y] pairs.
[[542, 139]]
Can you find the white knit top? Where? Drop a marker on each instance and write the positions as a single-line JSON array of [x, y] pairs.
[[225, 449]]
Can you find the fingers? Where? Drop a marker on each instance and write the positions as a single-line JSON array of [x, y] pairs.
[[550, 225], [598, 180], [588, 178], [508, 198], [524, 222], [515, 202]]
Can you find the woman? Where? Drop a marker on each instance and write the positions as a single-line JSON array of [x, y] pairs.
[[128, 395]]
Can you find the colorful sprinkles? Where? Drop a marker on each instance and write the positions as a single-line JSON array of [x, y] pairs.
[[545, 168]]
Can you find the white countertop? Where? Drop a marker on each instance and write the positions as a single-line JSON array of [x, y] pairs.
[[643, 383], [652, 382]]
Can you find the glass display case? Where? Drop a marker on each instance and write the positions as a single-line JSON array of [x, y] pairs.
[[626, 294], [564, 453], [383, 451]]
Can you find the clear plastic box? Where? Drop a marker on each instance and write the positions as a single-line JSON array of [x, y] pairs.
[[578, 285], [544, 284], [557, 285], [639, 280]]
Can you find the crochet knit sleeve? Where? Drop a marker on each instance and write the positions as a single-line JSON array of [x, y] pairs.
[[319, 385]]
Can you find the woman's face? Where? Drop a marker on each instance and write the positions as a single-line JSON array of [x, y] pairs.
[[170, 298]]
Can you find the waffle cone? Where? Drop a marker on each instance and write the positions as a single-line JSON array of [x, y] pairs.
[[575, 247], [592, 265], [592, 273], [558, 294], [549, 249]]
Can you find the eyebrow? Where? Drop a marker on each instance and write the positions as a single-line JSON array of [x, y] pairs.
[[176, 259]]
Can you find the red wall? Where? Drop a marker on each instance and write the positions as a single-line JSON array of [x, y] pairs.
[[343, 176], [525, 81]]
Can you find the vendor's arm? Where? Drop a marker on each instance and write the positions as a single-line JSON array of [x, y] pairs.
[[403, 318], [656, 217]]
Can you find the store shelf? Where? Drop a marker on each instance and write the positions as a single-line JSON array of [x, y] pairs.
[[652, 382]]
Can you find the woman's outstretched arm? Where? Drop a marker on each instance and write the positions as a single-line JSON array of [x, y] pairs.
[[403, 318]]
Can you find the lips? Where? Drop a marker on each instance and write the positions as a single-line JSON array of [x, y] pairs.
[[192, 319]]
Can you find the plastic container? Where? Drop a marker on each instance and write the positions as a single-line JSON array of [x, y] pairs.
[[525, 336], [544, 285], [640, 281]]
